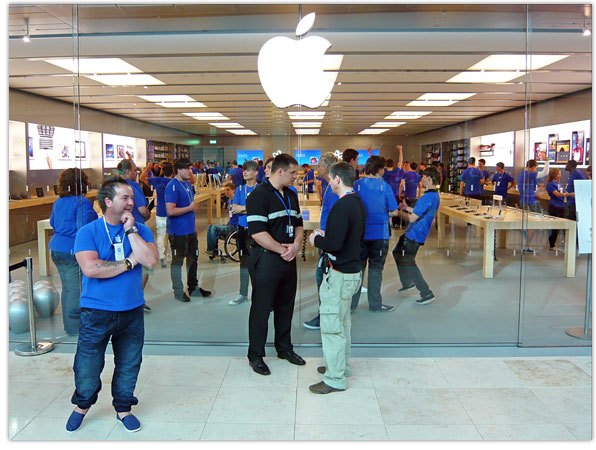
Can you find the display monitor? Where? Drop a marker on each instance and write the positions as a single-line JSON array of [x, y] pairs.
[[310, 157], [363, 155], [248, 155]]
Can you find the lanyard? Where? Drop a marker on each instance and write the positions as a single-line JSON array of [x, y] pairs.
[[187, 191], [287, 208], [117, 237]]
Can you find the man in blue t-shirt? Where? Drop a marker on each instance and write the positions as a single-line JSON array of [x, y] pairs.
[[110, 251], [526, 183], [420, 219], [214, 232], [309, 178], [502, 181], [249, 172], [236, 174], [182, 232], [485, 180], [574, 174], [472, 180], [410, 183]]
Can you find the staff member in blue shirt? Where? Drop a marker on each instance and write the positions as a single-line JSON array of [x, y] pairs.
[[380, 204], [471, 181], [236, 174], [502, 181], [182, 232], [556, 205], [70, 211], [574, 174], [410, 183], [420, 219], [109, 251], [526, 182], [309, 178], [485, 180], [249, 172], [392, 176]]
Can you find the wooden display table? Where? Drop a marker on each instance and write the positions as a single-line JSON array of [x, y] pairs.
[[49, 200], [511, 220], [515, 193], [216, 194]]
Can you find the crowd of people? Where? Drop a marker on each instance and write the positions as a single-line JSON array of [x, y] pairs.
[[116, 253]]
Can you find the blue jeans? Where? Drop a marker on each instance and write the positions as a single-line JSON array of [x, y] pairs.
[[71, 278], [127, 330], [374, 252], [213, 234]]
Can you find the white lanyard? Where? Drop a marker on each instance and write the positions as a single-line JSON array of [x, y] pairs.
[[117, 237], [187, 191]]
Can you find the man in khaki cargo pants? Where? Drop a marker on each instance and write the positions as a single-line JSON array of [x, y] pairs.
[[341, 243]]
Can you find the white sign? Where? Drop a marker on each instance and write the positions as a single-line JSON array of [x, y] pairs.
[[50, 147], [291, 71], [116, 148], [583, 206]]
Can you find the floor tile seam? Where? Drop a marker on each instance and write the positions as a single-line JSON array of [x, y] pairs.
[[566, 425], [216, 397], [553, 412], [50, 402], [377, 398], [26, 425]]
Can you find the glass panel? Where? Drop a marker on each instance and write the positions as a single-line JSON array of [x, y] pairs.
[[554, 274]]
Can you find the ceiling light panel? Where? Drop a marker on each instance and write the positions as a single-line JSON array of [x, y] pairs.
[[135, 79], [307, 131], [516, 62], [374, 131], [445, 96], [307, 124], [214, 116], [386, 124], [407, 114], [485, 77], [306, 115], [95, 65], [173, 101], [242, 132], [226, 125]]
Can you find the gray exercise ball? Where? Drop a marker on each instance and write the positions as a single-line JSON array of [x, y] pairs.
[[18, 295], [18, 316], [45, 299], [41, 283]]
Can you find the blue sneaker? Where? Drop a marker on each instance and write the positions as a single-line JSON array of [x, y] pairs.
[[313, 324], [130, 422], [74, 422]]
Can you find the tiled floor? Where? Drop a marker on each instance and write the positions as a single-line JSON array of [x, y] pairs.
[[220, 398]]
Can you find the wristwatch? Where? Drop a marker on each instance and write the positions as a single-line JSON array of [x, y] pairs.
[[129, 264], [132, 229]]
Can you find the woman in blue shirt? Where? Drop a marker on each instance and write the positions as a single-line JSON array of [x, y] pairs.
[[556, 205], [70, 212], [380, 204]]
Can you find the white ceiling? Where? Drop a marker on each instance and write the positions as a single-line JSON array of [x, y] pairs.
[[392, 55]]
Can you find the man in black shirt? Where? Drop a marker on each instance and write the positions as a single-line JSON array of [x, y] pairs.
[[275, 235], [341, 242]]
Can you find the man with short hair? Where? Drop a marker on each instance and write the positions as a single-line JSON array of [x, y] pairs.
[[182, 232], [502, 181], [526, 182], [421, 168], [109, 251], [236, 174], [410, 183], [214, 232], [574, 174], [341, 244], [275, 230], [351, 157], [309, 178], [250, 170], [471, 181], [485, 180]]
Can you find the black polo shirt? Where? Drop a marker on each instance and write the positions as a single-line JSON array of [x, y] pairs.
[[265, 211]]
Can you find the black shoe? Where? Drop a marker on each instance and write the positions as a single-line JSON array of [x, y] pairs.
[[200, 292], [292, 357], [322, 370], [407, 288], [425, 299], [384, 308], [259, 366], [323, 388], [146, 308], [182, 298], [163, 264]]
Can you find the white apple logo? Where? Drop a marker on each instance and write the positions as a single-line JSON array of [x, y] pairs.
[[291, 71]]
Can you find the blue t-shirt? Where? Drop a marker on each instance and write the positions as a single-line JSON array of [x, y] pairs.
[[261, 174], [329, 199], [122, 292], [378, 199], [310, 176], [554, 200], [237, 177], [393, 178], [324, 184], [486, 177], [411, 185], [426, 208], [240, 197], [140, 200], [68, 215], [159, 184], [575, 175], [501, 181], [180, 193], [526, 183], [472, 176]]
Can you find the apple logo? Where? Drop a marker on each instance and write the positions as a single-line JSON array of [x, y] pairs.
[[291, 71]]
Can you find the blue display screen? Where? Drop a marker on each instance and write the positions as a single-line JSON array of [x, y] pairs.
[[363, 155], [248, 155], [310, 157]]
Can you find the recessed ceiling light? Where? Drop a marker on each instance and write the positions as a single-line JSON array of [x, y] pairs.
[[95, 65], [226, 125], [307, 131], [516, 62], [386, 124], [407, 114], [182, 105], [167, 98], [215, 116], [307, 124], [440, 99], [374, 131], [242, 132], [136, 79], [306, 115], [485, 77]]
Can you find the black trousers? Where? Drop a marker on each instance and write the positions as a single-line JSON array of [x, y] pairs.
[[557, 211], [273, 287], [404, 254], [184, 246]]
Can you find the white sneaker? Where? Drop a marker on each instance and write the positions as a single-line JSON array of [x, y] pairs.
[[240, 299]]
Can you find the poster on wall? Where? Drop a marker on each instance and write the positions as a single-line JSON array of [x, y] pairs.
[[117, 148], [310, 157], [577, 146], [50, 147], [552, 146], [248, 155], [363, 155], [487, 150], [540, 152], [588, 153], [562, 152]]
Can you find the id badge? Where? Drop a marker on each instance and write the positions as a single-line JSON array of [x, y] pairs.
[[290, 231], [119, 251]]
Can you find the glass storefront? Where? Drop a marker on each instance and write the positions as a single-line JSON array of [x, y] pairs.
[[501, 83]]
